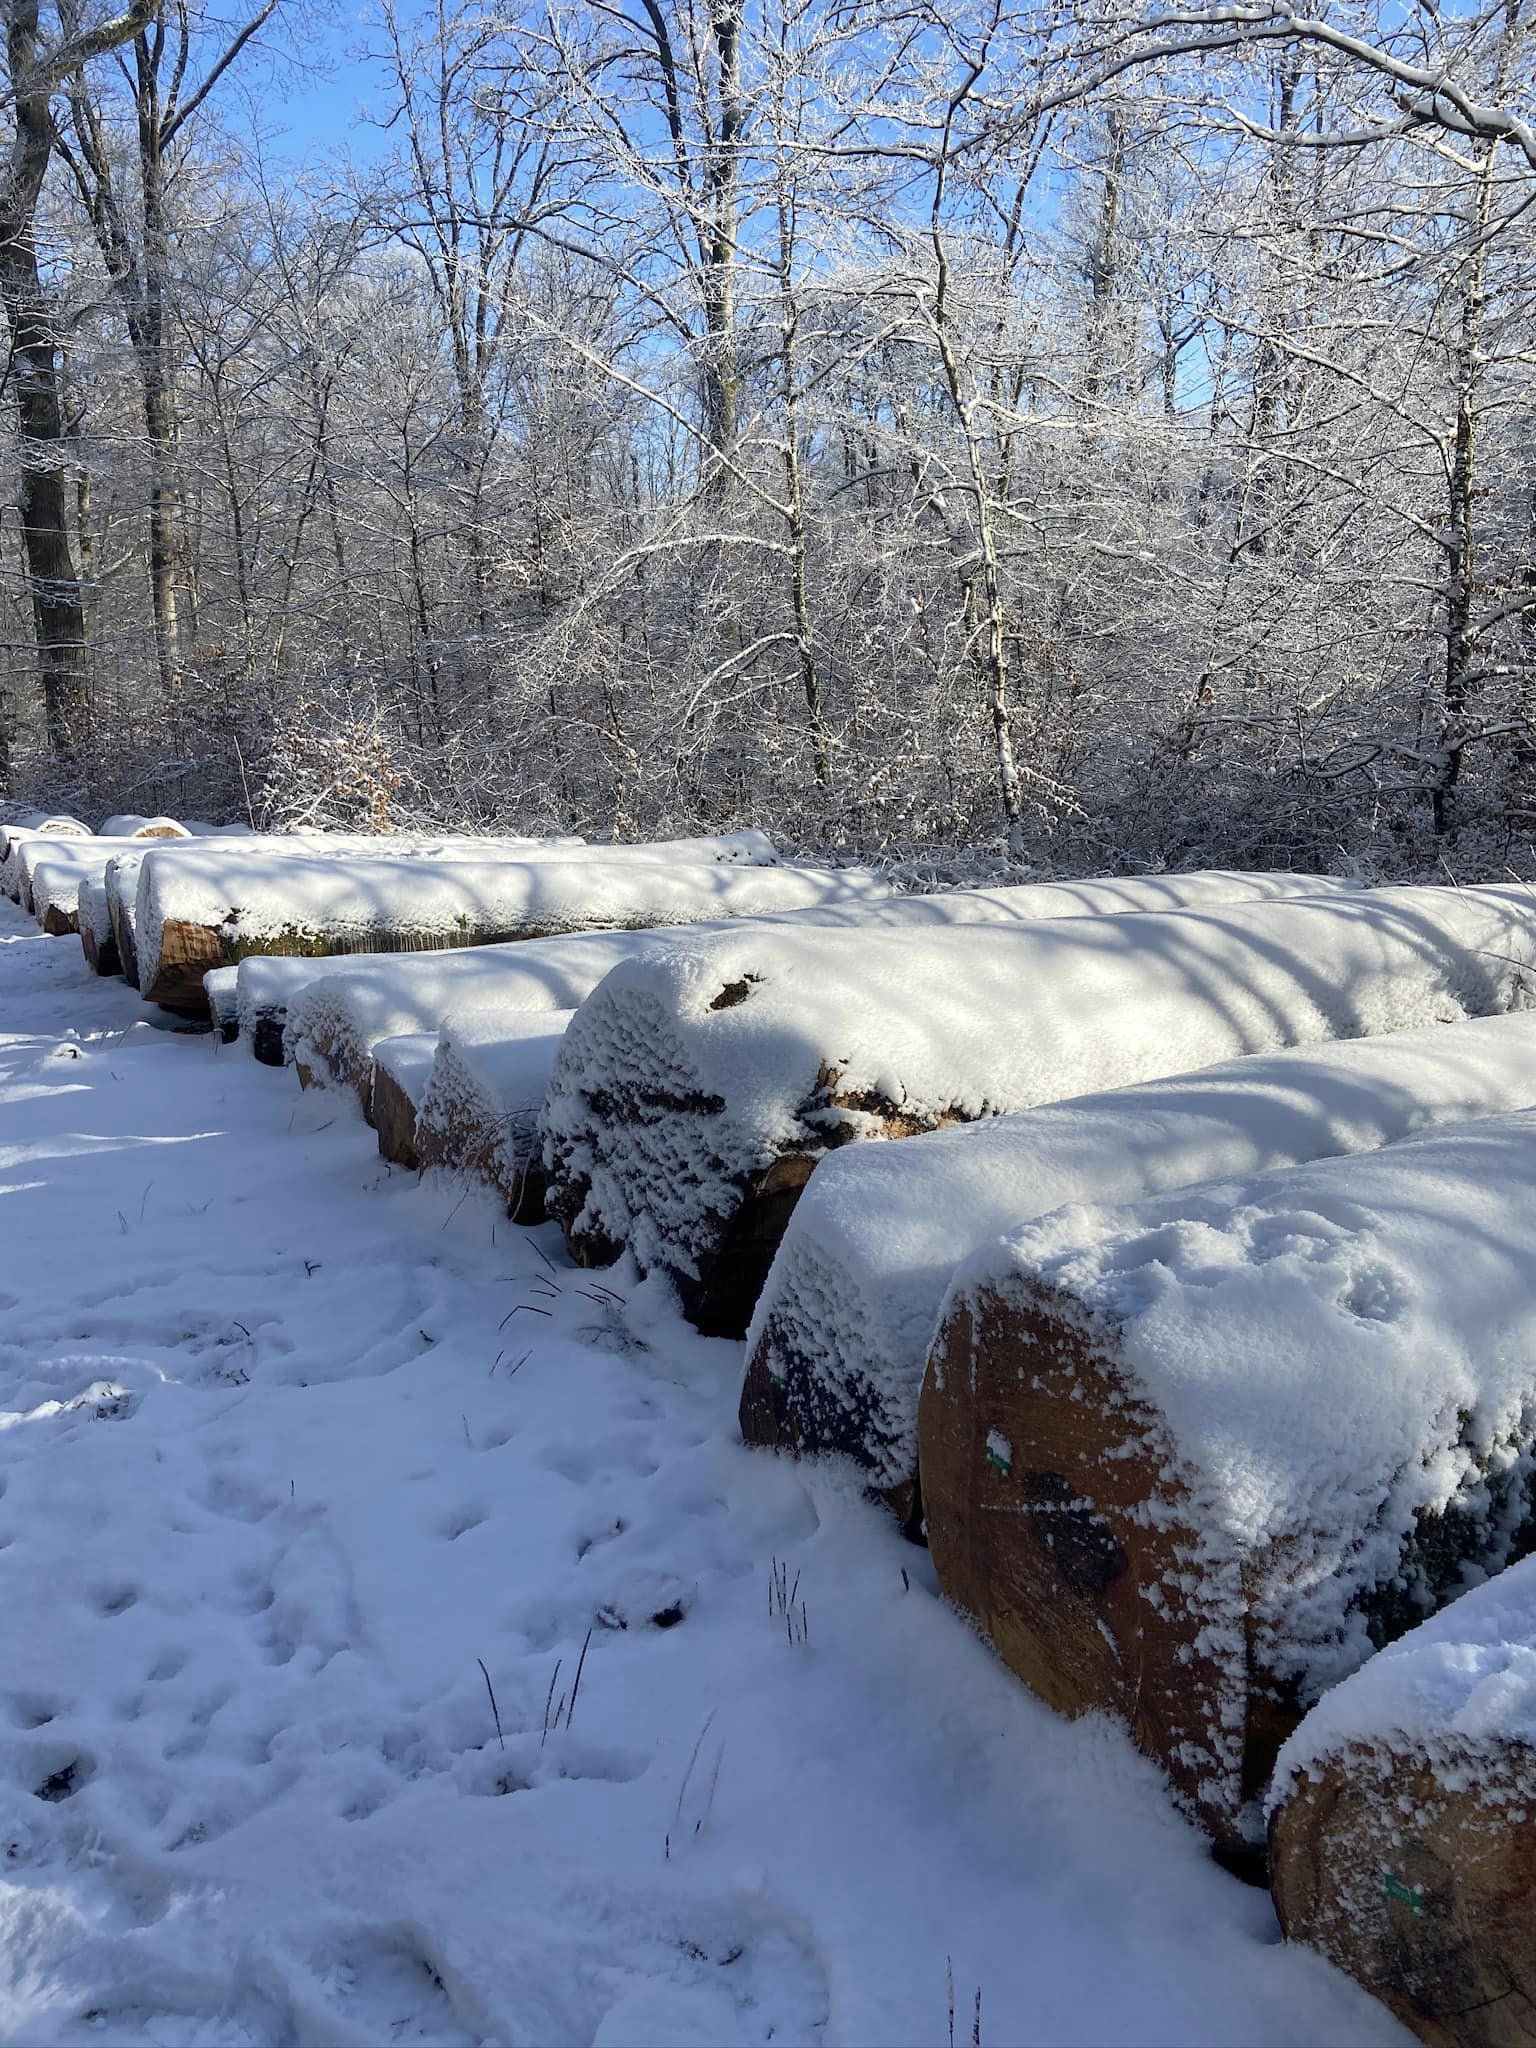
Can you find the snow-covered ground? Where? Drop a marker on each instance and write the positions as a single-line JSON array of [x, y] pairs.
[[289, 1444]]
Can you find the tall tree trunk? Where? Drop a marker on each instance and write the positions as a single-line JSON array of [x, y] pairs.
[[58, 607], [722, 189], [1460, 541]]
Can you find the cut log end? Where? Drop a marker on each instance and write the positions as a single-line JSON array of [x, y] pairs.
[[1038, 1465], [719, 1299], [124, 939], [1417, 1876], [100, 953], [187, 953], [59, 924], [455, 1138], [394, 1118], [267, 1038]]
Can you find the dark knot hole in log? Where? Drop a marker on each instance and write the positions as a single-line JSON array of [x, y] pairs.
[[1086, 1556]]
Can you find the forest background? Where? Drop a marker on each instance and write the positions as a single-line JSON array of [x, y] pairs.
[[979, 432]]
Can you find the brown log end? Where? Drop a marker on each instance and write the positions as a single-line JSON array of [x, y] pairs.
[[1418, 1878], [100, 954], [187, 953], [59, 924], [1038, 1465], [394, 1118]]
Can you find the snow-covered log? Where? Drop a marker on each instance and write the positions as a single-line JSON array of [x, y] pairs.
[[700, 1083], [79, 856], [335, 1021], [402, 1068], [201, 910], [95, 921], [221, 992], [120, 880], [747, 848], [327, 1015], [18, 818], [53, 886], [1103, 895], [836, 1350], [1191, 1460], [479, 1114], [268, 986], [1403, 1822], [24, 848], [130, 825], [25, 823]]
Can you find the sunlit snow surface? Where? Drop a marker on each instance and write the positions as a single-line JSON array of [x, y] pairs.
[[288, 1444]]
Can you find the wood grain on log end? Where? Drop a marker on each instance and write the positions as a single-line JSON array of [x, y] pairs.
[[1038, 1467], [1418, 1877], [187, 953]]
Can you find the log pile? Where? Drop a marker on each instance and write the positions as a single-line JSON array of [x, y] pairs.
[[327, 1015], [699, 1085], [836, 1350], [201, 910], [1190, 1461]]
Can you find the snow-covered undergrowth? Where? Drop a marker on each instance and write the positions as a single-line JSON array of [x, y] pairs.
[[289, 1444]]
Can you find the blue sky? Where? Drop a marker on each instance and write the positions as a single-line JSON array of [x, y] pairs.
[[317, 109]]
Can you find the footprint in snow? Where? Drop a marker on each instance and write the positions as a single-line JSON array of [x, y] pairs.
[[383, 1985], [723, 1975], [461, 1520], [583, 1461], [627, 1600], [28, 1710]]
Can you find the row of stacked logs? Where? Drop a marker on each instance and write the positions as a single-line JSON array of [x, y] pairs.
[[1189, 1459]]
